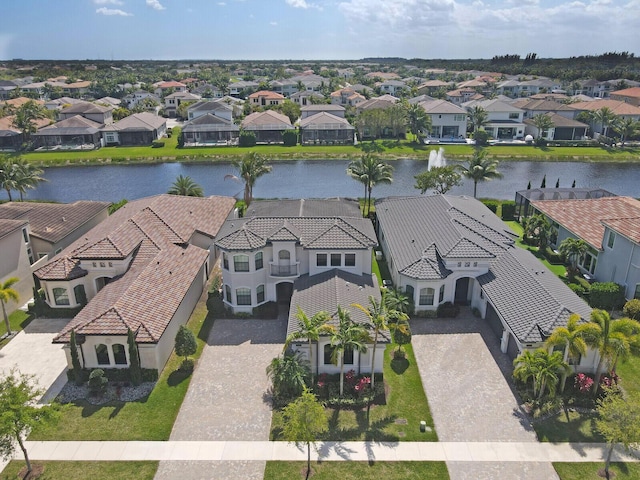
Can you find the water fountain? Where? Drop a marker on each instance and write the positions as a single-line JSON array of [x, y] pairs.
[[436, 159]]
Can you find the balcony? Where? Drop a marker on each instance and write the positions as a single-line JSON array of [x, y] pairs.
[[284, 270]]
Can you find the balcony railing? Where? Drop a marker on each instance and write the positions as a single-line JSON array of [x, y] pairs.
[[284, 270]]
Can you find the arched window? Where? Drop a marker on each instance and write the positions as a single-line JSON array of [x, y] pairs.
[[258, 260], [119, 355], [102, 354], [284, 255], [243, 296], [241, 263], [426, 296], [260, 293], [60, 296]]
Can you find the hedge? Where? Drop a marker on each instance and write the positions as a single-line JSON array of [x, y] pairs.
[[606, 296], [508, 209], [491, 205], [247, 139], [290, 138]]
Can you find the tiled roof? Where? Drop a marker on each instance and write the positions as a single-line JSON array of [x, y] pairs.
[[325, 121], [268, 119], [311, 207], [559, 121], [585, 218], [326, 290], [144, 121], [85, 108], [633, 92], [441, 106], [465, 248], [61, 268], [76, 125], [428, 267], [53, 221], [541, 105], [7, 226], [616, 106], [267, 94], [209, 122]]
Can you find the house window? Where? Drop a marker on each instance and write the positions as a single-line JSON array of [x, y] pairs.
[[467, 264], [225, 261], [611, 240], [441, 296], [102, 265], [321, 259], [328, 353], [110, 264], [347, 357], [95, 265], [60, 296], [426, 296], [258, 260], [243, 296], [336, 259], [241, 263], [80, 294], [260, 293], [408, 290], [589, 262], [514, 115], [349, 259], [25, 235], [227, 293], [102, 354], [118, 354]]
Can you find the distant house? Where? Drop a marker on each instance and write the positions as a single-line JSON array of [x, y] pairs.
[[62, 103], [347, 96], [619, 108], [134, 99], [173, 101], [431, 86], [463, 95], [310, 110], [504, 121], [137, 129], [447, 120], [75, 132], [265, 98], [563, 128], [162, 243], [209, 129], [6, 87], [392, 87], [325, 127], [628, 95], [213, 107], [109, 101], [306, 97], [382, 102], [11, 138], [96, 113], [533, 107], [163, 88], [242, 88], [267, 126]]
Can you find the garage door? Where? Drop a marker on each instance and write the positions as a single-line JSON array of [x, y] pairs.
[[494, 321]]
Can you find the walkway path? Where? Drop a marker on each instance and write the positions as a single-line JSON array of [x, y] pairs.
[[226, 398], [464, 376]]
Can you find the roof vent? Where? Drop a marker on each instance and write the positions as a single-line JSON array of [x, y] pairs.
[[64, 219]]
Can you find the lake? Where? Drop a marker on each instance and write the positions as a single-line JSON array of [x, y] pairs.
[[317, 179]]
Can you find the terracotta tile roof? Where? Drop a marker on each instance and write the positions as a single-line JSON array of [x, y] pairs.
[[8, 226], [628, 92], [618, 107], [53, 221], [61, 268], [586, 218], [170, 84], [267, 119], [267, 94]]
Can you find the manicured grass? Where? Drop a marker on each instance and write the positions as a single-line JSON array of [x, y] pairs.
[[579, 428], [559, 270], [359, 470], [149, 419], [629, 373], [84, 470], [398, 420], [390, 149], [17, 320], [589, 471]]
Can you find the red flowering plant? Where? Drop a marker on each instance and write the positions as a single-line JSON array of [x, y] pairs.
[[362, 385], [351, 378], [609, 381], [322, 380], [583, 383]]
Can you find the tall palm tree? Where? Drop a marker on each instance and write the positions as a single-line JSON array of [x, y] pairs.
[[543, 123], [370, 171], [377, 313], [250, 167], [8, 175], [626, 127], [480, 169], [349, 336], [570, 338], [605, 117], [478, 117], [185, 186], [396, 300], [310, 328], [614, 339], [573, 249], [27, 176], [8, 293], [417, 120]]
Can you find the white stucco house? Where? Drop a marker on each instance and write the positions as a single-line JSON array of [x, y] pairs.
[[143, 268]]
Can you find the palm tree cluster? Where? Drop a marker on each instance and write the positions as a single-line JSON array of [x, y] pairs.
[[250, 167], [370, 171], [16, 174], [184, 185], [625, 128]]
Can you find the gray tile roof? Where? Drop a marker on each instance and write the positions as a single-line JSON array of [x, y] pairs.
[[325, 291], [209, 123], [428, 267], [310, 207]]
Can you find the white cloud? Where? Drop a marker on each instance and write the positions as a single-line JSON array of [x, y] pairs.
[[113, 11], [302, 4], [273, 24], [155, 4], [222, 4], [108, 2]]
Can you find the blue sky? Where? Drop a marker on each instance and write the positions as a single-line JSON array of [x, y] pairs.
[[314, 29]]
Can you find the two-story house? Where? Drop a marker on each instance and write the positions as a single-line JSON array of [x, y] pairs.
[[447, 120], [265, 98], [504, 121], [172, 101]]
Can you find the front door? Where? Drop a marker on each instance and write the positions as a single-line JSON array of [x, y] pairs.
[[462, 291]]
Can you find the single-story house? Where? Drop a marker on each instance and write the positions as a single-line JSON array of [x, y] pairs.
[[309, 110], [137, 129], [563, 128], [155, 244], [97, 113], [326, 128], [209, 129], [76, 132], [268, 126]]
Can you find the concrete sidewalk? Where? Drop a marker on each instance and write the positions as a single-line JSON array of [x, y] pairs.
[[326, 451]]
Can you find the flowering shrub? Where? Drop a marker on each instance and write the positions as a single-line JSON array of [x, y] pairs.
[[351, 378], [322, 380], [583, 383], [362, 384], [609, 381]]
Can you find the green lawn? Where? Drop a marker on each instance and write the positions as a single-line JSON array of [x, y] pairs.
[[629, 373], [559, 270], [398, 420], [589, 471], [579, 428], [359, 470], [17, 320], [84, 470], [149, 419], [390, 149]]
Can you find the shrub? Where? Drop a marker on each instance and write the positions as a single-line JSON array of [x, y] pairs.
[[577, 289], [157, 144], [553, 257], [247, 139], [481, 137], [290, 138], [448, 310], [491, 205], [606, 296], [508, 209], [97, 381], [583, 383], [631, 309]]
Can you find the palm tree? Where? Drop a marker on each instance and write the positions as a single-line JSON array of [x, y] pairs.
[[570, 338], [8, 293], [288, 374], [311, 329], [542, 368], [605, 117], [538, 228], [185, 186], [626, 127], [27, 176], [573, 249], [525, 369], [26, 116], [417, 120], [349, 336], [478, 118], [370, 171], [614, 339], [377, 313], [250, 167], [480, 168], [8, 175], [396, 300], [543, 123]]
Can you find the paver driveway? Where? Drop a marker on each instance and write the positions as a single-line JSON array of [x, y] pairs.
[[226, 397], [465, 378]]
